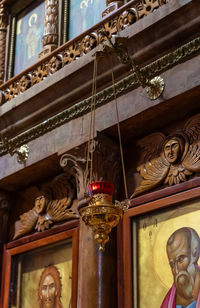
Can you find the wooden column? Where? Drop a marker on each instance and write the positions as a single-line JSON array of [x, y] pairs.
[[3, 32], [97, 280], [50, 37], [112, 5], [97, 275]]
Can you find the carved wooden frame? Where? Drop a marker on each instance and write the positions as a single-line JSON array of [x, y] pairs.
[[15, 10], [127, 248], [28, 244]]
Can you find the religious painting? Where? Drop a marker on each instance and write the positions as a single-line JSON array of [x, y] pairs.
[[28, 37], [42, 278], [83, 14], [165, 263]]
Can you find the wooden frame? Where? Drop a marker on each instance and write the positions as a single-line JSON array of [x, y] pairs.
[[30, 246], [16, 10], [158, 200]]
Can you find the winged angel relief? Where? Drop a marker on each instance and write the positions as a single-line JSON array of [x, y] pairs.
[[170, 160], [44, 213]]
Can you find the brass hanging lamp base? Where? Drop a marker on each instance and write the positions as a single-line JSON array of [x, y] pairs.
[[101, 214]]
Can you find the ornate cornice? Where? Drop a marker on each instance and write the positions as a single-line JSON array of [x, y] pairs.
[[126, 84]]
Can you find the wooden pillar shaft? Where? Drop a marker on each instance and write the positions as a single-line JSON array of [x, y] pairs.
[[97, 272], [50, 37], [3, 32]]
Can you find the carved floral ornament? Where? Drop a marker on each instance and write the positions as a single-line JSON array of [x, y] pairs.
[[170, 159]]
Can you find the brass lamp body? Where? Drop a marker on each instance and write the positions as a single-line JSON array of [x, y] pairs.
[[102, 216]]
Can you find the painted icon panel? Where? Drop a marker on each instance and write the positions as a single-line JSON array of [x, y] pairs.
[[167, 258], [28, 39], [42, 277], [83, 15]]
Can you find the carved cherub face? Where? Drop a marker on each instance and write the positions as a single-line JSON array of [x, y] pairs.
[[173, 150], [40, 203]]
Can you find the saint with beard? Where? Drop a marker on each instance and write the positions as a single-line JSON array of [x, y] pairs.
[[183, 250]]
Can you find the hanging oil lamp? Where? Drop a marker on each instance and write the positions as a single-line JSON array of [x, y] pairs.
[[101, 214]]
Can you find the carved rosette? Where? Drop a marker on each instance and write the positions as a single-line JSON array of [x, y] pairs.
[[3, 30], [50, 38]]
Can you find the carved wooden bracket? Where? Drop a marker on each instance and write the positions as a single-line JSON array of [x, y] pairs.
[[3, 32], [170, 159], [55, 203]]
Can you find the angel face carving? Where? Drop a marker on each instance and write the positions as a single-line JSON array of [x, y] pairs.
[[173, 150], [40, 203], [170, 160]]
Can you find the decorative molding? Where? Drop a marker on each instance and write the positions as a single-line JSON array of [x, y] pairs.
[[3, 32], [72, 50], [126, 84], [169, 159]]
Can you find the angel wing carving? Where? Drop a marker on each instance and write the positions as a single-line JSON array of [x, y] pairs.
[[57, 210], [25, 224], [153, 173], [170, 160]]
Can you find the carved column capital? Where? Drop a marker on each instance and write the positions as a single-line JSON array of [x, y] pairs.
[[106, 165], [3, 31], [76, 167], [50, 38], [112, 5]]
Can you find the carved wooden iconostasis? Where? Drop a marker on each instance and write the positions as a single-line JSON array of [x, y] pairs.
[[164, 212]]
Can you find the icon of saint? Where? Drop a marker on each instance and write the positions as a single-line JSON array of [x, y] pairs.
[[183, 250], [49, 290]]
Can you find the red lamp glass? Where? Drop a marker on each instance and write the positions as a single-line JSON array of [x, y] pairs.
[[100, 187]]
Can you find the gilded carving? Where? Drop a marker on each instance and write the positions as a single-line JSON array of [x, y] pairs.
[[46, 211], [170, 160], [3, 31], [50, 288]]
